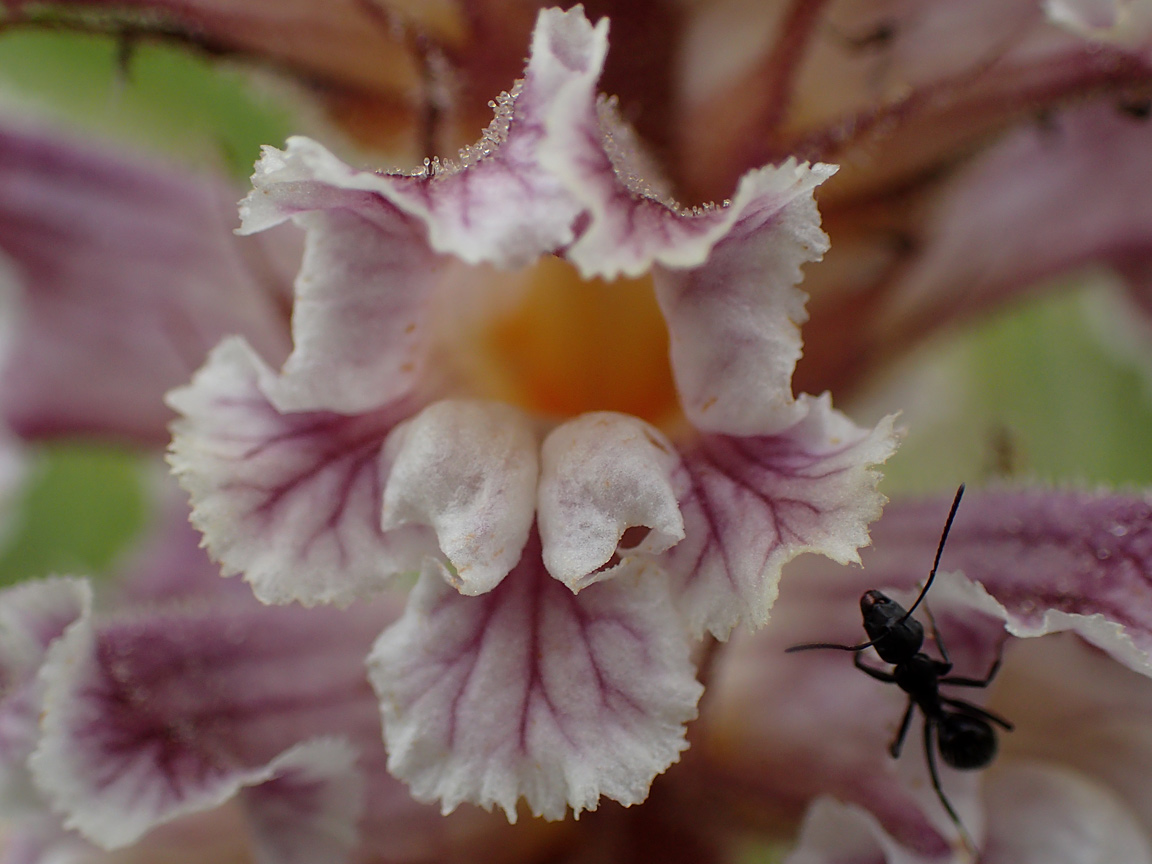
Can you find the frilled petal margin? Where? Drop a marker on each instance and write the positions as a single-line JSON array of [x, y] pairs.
[[292, 501], [153, 718], [376, 240], [752, 504], [532, 691], [1040, 554], [32, 617]]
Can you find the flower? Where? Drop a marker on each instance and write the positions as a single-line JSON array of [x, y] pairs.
[[982, 149], [542, 654]]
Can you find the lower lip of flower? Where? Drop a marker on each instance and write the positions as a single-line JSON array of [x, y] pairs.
[[567, 345]]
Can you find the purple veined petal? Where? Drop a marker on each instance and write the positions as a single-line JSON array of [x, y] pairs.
[[155, 717], [126, 274], [753, 504], [1041, 814], [292, 501], [734, 310], [533, 692], [468, 470], [358, 318], [32, 617], [1043, 555], [603, 474], [378, 243], [633, 226]]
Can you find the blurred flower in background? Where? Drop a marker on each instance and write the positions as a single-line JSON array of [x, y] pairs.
[[988, 152]]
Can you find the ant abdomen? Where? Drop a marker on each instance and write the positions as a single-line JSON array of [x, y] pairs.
[[965, 742]]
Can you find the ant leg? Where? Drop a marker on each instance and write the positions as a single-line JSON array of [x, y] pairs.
[[945, 666], [878, 674], [976, 711], [930, 754], [975, 682], [898, 742]]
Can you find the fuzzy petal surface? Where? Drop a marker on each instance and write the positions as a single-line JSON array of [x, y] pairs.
[[159, 716], [603, 474], [532, 692], [734, 312], [292, 501], [376, 241], [753, 504], [466, 469], [1076, 682]]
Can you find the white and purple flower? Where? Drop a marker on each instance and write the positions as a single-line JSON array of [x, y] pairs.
[[567, 555]]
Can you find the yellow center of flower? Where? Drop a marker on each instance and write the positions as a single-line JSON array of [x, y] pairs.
[[567, 345]]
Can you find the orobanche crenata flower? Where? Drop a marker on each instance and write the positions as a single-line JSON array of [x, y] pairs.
[[479, 391]]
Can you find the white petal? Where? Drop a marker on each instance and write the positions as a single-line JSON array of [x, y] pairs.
[[155, 717], [292, 500], [1041, 814], [533, 692], [468, 470], [602, 474], [753, 504], [734, 314]]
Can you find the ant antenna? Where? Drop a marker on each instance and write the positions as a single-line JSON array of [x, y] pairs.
[[939, 552]]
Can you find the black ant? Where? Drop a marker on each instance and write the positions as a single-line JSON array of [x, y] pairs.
[[961, 731]]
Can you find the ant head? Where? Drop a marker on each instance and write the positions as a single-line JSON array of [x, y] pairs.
[[966, 742], [895, 636]]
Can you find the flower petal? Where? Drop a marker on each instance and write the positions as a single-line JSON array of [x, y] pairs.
[[1039, 814], [1043, 555], [126, 273], [376, 240], [292, 501], [753, 504], [307, 808], [1080, 710], [160, 716], [733, 309], [358, 319], [603, 474], [837, 833], [32, 617], [1124, 22], [632, 226], [468, 470], [1043, 201], [530, 691]]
